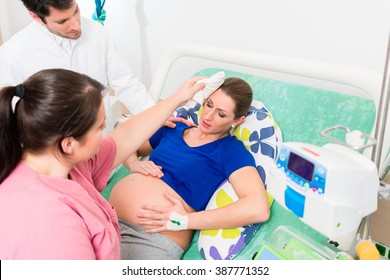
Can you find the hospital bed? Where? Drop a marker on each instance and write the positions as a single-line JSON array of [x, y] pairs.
[[302, 98]]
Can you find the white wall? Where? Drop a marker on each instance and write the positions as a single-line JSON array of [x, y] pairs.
[[353, 32], [13, 17]]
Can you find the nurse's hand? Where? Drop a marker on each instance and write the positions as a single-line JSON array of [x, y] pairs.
[[171, 122], [188, 90], [145, 167]]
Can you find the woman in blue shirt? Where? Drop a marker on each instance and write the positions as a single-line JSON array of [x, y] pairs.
[[164, 200]]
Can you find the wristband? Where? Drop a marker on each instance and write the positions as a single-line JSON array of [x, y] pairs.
[[177, 222]]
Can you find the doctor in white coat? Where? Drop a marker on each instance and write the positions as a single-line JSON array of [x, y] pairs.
[[59, 37]]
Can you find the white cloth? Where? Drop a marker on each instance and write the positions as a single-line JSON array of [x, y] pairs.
[[211, 84], [35, 48]]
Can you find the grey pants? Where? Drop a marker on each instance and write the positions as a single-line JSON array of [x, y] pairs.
[[136, 244]]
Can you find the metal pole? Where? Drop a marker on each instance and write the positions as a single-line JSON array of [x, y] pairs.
[[380, 129]]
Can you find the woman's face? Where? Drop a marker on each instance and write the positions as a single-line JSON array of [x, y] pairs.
[[217, 115]]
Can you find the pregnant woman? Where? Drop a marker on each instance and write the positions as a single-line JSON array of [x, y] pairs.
[[163, 200]]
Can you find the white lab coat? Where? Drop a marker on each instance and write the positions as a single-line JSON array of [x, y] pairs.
[[35, 48]]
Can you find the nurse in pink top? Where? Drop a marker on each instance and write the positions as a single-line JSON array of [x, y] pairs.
[[54, 162]]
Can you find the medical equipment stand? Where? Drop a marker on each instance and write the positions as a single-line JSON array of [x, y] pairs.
[[380, 129]]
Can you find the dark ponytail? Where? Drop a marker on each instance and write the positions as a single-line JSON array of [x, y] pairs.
[[10, 146]]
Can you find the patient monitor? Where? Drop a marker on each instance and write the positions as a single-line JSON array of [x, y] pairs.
[[331, 188]]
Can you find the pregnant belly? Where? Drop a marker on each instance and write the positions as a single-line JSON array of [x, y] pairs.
[[136, 189]]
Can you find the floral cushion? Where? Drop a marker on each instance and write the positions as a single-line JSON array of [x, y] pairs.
[[262, 137]]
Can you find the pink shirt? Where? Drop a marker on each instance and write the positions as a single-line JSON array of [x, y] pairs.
[[45, 217]]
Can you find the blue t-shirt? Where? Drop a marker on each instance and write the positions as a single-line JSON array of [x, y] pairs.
[[196, 172]]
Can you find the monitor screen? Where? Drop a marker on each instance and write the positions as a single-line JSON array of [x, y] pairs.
[[301, 166]]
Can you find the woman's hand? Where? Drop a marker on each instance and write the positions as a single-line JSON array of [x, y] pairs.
[[163, 218]]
